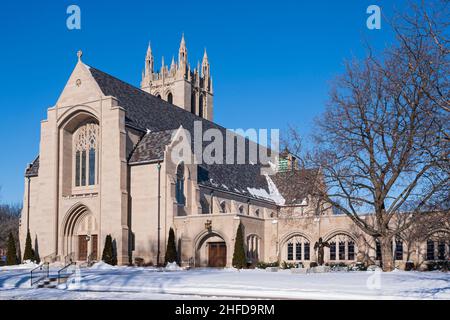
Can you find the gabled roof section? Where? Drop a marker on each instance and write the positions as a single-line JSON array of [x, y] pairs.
[[151, 147], [296, 185], [33, 169]]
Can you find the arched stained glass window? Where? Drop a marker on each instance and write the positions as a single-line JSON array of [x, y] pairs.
[[85, 154]]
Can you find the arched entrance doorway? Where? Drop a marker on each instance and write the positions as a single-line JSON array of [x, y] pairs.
[[80, 235], [211, 251]]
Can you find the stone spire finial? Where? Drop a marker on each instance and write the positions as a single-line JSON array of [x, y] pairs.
[[149, 50], [79, 55], [205, 56], [183, 42]]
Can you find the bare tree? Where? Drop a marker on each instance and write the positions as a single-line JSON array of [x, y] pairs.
[[382, 144]]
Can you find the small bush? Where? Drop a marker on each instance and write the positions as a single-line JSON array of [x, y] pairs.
[[139, 262], [265, 265], [288, 265], [438, 265], [313, 264], [409, 266]]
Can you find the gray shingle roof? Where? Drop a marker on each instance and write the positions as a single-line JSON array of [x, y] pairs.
[[146, 111]]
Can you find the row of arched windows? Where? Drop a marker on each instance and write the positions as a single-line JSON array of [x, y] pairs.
[[201, 103], [341, 247], [437, 248], [169, 97]]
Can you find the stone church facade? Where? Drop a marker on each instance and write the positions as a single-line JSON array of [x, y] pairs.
[[105, 168]]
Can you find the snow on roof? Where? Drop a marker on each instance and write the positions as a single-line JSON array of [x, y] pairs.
[[273, 194]]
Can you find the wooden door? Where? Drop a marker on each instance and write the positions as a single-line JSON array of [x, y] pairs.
[[94, 247], [217, 255], [82, 248]]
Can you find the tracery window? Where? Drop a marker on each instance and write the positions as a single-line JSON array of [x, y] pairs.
[[297, 249], [86, 151], [342, 247]]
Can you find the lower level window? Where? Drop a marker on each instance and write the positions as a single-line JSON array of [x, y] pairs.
[[341, 250], [298, 251], [441, 250], [398, 250], [290, 253], [351, 250], [333, 251], [306, 251]]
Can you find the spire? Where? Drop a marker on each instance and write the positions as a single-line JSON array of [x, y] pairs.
[[183, 42], [172, 64], [182, 55], [205, 66], [205, 57], [149, 61], [149, 50]]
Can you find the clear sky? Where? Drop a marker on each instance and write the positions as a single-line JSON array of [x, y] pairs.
[[271, 61]]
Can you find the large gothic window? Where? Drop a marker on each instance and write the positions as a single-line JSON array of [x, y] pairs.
[[181, 200], [85, 153]]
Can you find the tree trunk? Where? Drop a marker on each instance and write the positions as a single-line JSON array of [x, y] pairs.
[[387, 256]]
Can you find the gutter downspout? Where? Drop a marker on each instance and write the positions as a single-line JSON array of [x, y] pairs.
[[28, 204], [159, 214]]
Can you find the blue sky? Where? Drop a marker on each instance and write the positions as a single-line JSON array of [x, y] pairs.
[[271, 61]]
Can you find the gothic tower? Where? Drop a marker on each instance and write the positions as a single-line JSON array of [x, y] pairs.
[[189, 89]]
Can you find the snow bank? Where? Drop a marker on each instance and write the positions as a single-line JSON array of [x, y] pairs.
[[26, 265], [173, 267], [102, 266]]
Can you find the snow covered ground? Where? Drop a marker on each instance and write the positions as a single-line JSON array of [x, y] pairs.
[[107, 282]]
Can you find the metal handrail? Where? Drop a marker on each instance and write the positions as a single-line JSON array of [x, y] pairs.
[[42, 267], [64, 269]]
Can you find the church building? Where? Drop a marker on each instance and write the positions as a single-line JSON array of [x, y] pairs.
[[105, 168]]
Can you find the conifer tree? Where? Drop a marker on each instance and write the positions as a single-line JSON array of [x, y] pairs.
[[11, 255], [29, 253], [171, 252], [239, 258], [108, 255]]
